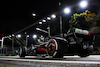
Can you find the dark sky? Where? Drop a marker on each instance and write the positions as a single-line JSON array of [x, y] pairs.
[[17, 14]]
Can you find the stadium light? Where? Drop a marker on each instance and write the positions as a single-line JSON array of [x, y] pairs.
[[43, 20], [67, 10], [10, 36], [33, 14], [83, 4], [34, 36], [48, 18], [53, 16], [13, 35], [40, 22], [19, 35], [28, 36]]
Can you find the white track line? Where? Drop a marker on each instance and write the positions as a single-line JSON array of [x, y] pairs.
[[51, 61]]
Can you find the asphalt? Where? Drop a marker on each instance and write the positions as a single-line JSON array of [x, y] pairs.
[[67, 61]]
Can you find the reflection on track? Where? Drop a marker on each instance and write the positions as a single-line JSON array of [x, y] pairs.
[[67, 61], [66, 58], [93, 59]]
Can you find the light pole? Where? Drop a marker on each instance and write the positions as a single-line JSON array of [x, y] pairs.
[[66, 11], [48, 18], [13, 36], [13, 42], [60, 17], [26, 37]]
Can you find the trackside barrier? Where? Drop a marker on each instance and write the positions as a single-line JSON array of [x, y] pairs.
[[8, 51], [96, 50]]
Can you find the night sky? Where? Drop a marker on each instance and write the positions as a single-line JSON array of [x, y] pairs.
[[17, 14]]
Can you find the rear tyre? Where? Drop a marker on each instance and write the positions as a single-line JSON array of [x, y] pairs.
[[86, 52], [56, 48], [22, 51]]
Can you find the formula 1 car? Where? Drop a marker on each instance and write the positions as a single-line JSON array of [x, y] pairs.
[[75, 41]]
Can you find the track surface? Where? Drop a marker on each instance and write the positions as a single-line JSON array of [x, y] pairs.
[[93, 59], [34, 61]]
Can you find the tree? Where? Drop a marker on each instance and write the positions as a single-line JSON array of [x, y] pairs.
[[85, 20]]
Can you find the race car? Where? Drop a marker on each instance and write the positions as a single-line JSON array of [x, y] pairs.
[[75, 41]]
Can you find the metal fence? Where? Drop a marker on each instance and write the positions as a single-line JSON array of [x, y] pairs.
[[8, 51]]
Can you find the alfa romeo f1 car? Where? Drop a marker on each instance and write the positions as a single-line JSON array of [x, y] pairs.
[[75, 41]]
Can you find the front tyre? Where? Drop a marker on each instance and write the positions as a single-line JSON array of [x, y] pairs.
[[56, 48], [22, 51]]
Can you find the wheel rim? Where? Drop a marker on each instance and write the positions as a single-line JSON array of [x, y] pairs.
[[51, 48]]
